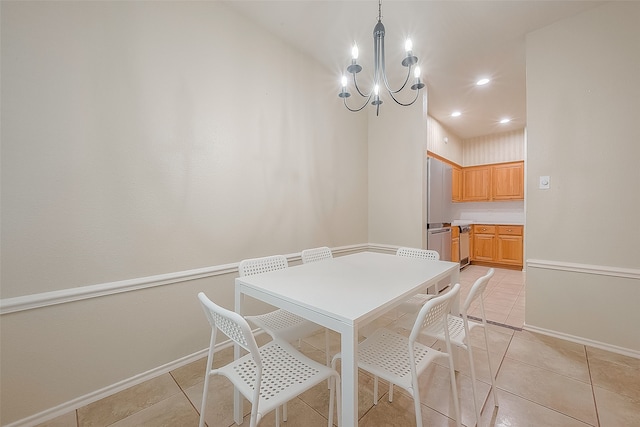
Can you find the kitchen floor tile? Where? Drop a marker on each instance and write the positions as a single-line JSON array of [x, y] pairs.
[[549, 389], [174, 411], [616, 409], [127, 402], [514, 410], [571, 363], [616, 377]]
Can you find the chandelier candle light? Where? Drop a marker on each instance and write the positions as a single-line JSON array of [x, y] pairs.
[[379, 71]]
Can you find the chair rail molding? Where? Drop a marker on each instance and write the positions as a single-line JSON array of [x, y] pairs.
[[629, 273], [44, 299]]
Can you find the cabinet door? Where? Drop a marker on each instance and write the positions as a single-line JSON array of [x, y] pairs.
[[483, 247], [509, 249], [507, 181], [476, 183], [455, 249], [456, 184]]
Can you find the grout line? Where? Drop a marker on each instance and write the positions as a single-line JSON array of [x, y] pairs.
[[593, 391], [504, 325]]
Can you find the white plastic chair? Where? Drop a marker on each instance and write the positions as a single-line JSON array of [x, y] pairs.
[[401, 360], [458, 332], [278, 323], [267, 376], [316, 254], [413, 304]]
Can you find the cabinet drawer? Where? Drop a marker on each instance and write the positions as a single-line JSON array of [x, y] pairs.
[[510, 230], [484, 229]]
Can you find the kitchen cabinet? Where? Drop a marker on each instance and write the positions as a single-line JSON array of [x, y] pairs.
[[456, 184], [455, 244], [484, 243], [509, 245], [487, 183], [476, 183], [501, 245], [507, 181]]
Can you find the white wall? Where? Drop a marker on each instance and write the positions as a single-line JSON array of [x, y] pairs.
[[583, 98], [150, 138], [397, 181]]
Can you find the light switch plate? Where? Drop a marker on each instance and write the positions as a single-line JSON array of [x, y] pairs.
[[544, 183]]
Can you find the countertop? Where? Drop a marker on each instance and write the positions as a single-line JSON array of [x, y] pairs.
[[469, 222]]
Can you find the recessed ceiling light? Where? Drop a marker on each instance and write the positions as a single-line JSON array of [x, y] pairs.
[[482, 82], [505, 120], [456, 114]]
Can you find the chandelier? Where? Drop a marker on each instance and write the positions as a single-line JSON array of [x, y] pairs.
[[379, 71]]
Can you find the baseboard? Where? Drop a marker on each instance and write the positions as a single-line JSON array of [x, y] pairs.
[[584, 341]]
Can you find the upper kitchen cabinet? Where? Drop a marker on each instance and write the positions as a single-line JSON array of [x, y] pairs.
[[476, 184], [486, 183], [507, 181], [456, 184]]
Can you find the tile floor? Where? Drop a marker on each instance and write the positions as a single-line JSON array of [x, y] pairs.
[[542, 381]]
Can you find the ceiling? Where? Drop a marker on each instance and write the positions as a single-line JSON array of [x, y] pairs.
[[457, 42]]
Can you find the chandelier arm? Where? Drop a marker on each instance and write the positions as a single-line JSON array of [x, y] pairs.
[[386, 83], [355, 110], [383, 67], [355, 83], [401, 103]]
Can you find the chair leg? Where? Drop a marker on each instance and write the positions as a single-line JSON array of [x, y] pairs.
[[390, 392], [278, 416], [205, 392], [285, 413], [207, 376], [454, 390], [493, 390], [474, 387], [416, 401], [375, 390]]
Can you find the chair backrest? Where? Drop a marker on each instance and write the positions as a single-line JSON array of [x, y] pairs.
[[477, 290], [418, 253], [316, 254], [231, 324], [434, 313], [252, 266]]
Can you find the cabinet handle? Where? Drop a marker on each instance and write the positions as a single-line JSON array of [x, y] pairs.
[[509, 230]]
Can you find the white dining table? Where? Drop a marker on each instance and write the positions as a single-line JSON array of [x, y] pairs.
[[343, 294]]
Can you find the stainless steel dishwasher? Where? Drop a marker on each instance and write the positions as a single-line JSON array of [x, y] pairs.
[[465, 257], [439, 239]]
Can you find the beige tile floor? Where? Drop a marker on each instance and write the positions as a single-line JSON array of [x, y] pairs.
[[542, 381]]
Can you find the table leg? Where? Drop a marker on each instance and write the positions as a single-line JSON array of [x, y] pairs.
[[349, 344], [237, 398]]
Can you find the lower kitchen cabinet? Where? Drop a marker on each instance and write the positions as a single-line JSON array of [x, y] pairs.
[[455, 244], [484, 243], [509, 245], [498, 244]]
